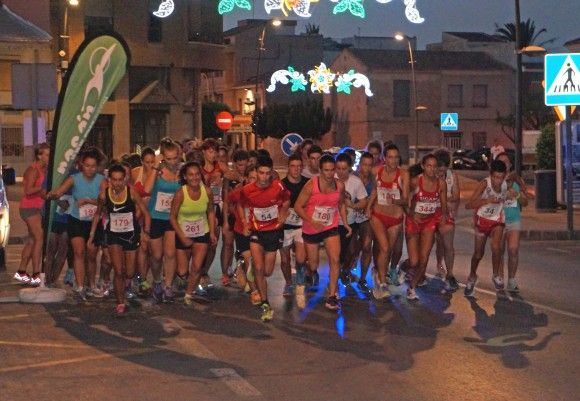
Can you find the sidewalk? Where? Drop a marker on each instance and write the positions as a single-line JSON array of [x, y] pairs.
[[535, 226]]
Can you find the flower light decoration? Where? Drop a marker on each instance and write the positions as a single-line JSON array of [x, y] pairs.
[[165, 9], [321, 79], [302, 7]]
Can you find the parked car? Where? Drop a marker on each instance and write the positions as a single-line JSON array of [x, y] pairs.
[[4, 223], [465, 159]]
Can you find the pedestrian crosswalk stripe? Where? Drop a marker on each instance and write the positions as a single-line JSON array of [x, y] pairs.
[[568, 79]]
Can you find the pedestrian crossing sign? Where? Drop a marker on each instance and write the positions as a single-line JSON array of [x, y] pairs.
[[562, 77], [449, 121]]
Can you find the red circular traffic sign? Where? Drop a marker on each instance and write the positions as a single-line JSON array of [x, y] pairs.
[[224, 120]]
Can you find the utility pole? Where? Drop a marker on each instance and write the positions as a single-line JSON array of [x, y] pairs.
[[519, 94]]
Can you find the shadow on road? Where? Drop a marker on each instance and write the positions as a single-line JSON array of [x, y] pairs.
[[510, 331]]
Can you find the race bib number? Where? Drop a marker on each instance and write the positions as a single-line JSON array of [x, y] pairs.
[[323, 215], [193, 229], [385, 196], [490, 211], [163, 203], [426, 207], [293, 219], [87, 212], [263, 214], [216, 191], [121, 222]]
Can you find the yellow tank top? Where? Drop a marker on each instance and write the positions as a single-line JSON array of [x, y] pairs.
[[192, 215]]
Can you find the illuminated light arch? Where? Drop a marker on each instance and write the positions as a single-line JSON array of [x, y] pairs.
[[321, 79], [165, 9], [225, 6], [300, 7]]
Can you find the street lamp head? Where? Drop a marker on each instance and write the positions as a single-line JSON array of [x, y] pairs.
[[276, 22], [533, 51], [399, 36], [421, 108], [73, 3]]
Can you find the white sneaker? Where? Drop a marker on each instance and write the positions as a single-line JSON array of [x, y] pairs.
[[441, 272], [512, 285], [412, 295], [22, 277]]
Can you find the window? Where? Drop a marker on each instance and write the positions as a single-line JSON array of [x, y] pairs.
[[452, 140], [12, 141], [455, 96], [479, 95], [95, 25], [479, 140], [401, 98], [154, 34]]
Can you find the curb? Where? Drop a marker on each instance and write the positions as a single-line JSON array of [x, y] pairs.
[[548, 235]]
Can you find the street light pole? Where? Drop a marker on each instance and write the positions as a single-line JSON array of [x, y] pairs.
[[519, 94], [412, 61]]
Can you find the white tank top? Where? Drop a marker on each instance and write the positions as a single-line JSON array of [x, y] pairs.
[[450, 181], [493, 211]]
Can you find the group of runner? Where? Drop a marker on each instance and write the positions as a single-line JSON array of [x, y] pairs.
[[162, 213]]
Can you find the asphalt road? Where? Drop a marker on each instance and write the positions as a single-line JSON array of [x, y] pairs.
[[445, 347]]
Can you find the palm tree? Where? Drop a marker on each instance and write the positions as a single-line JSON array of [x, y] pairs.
[[312, 29], [529, 36]]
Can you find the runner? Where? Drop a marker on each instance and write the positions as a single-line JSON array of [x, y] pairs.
[[428, 209], [362, 240], [312, 168], [139, 175], [488, 202], [268, 203], [31, 211], [320, 204], [162, 186], [513, 225], [234, 179], [294, 182], [85, 187], [386, 210], [376, 150], [192, 218], [355, 199], [303, 149], [242, 241], [213, 174], [445, 236], [122, 206]]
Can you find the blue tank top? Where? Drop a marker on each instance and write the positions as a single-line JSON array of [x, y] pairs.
[[511, 208], [81, 189], [161, 198]]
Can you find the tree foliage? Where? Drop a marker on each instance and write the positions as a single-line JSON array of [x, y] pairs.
[[312, 29], [529, 36], [208, 112], [546, 148], [307, 118]]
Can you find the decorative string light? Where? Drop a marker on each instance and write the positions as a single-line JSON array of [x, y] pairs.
[[165, 9], [321, 79], [225, 6], [300, 7]]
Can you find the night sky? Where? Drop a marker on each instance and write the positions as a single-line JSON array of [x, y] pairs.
[[559, 17]]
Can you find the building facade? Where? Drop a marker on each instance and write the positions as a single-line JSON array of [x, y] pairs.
[[471, 84]]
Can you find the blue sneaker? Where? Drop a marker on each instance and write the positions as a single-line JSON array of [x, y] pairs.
[[158, 292], [69, 277], [394, 277], [288, 291]]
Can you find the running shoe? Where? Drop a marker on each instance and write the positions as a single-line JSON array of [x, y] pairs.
[[188, 300], [144, 289], [363, 286], [382, 291], [79, 294], [69, 277], [22, 277], [512, 285], [130, 294], [225, 280], [288, 290], [200, 291], [299, 275], [498, 283], [412, 295], [345, 277], [423, 282], [255, 298], [168, 295], [469, 287], [158, 292], [267, 312], [180, 282], [332, 303], [451, 284], [35, 280], [95, 293], [441, 272], [393, 277], [120, 310]]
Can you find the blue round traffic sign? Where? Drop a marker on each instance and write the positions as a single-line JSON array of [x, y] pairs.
[[290, 143]]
